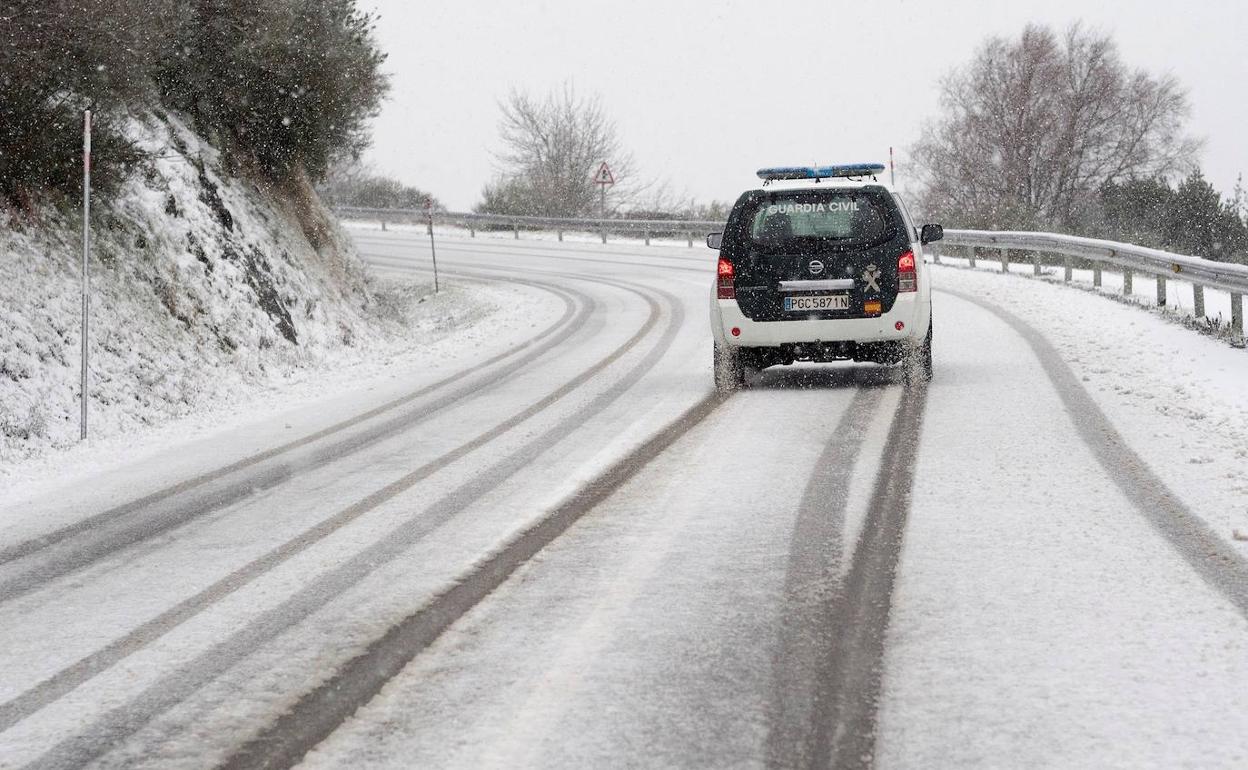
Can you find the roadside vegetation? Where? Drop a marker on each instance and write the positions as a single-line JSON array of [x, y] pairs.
[[1054, 131], [550, 147], [282, 87], [354, 184], [215, 270]]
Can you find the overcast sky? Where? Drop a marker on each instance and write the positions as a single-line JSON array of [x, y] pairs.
[[704, 93]]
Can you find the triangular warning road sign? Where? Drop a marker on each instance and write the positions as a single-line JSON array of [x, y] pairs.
[[603, 176]]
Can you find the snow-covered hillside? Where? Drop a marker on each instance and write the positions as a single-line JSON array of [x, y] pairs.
[[203, 286]]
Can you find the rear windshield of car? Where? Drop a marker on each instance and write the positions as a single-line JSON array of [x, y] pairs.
[[831, 216]]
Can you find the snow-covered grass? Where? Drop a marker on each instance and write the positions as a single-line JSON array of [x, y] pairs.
[[1180, 300], [204, 289]]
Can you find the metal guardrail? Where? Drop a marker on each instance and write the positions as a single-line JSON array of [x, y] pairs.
[[647, 228], [1130, 259]]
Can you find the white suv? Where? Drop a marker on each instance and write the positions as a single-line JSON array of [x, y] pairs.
[[821, 264]]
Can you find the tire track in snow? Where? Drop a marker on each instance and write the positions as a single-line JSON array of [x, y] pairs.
[[73, 676], [119, 723], [544, 340], [840, 732], [1211, 557], [811, 583], [98, 537], [318, 713]]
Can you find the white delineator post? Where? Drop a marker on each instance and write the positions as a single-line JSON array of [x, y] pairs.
[[1237, 321], [433, 249], [86, 251]]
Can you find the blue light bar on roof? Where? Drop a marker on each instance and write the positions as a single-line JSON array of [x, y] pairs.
[[820, 172]]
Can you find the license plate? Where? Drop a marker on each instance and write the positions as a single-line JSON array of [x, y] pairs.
[[816, 302]]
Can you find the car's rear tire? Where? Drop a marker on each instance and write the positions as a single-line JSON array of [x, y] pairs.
[[919, 363], [729, 371]]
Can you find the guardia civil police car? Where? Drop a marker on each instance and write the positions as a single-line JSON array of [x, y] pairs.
[[821, 264]]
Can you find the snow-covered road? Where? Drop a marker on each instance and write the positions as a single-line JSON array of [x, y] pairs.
[[554, 546]]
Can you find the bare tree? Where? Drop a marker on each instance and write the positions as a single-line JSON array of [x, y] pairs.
[[551, 147], [1032, 127]]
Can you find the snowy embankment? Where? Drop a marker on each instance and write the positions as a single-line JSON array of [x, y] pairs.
[[206, 291]]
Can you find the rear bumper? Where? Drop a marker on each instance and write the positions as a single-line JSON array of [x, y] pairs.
[[912, 310]]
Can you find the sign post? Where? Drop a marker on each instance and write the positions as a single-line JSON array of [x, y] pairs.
[[604, 179], [86, 251], [433, 249]]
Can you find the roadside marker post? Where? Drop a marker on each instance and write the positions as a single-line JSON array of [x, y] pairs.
[[86, 278], [604, 179], [433, 248], [1237, 321]]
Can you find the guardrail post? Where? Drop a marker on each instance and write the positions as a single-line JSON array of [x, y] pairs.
[[1126, 283], [1070, 269], [1198, 300], [604, 232], [515, 228], [1035, 263], [472, 230], [935, 249], [1161, 291], [561, 235], [647, 237], [1005, 260], [970, 255], [383, 224], [1237, 320], [1096, 275], [690, 235]]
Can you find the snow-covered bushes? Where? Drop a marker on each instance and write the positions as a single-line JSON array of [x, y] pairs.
[[57, 58], [288, 84], [282, 86], [32, 425]]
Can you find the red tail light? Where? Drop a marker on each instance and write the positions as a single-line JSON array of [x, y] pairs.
[[725, 288], [907, 274]]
